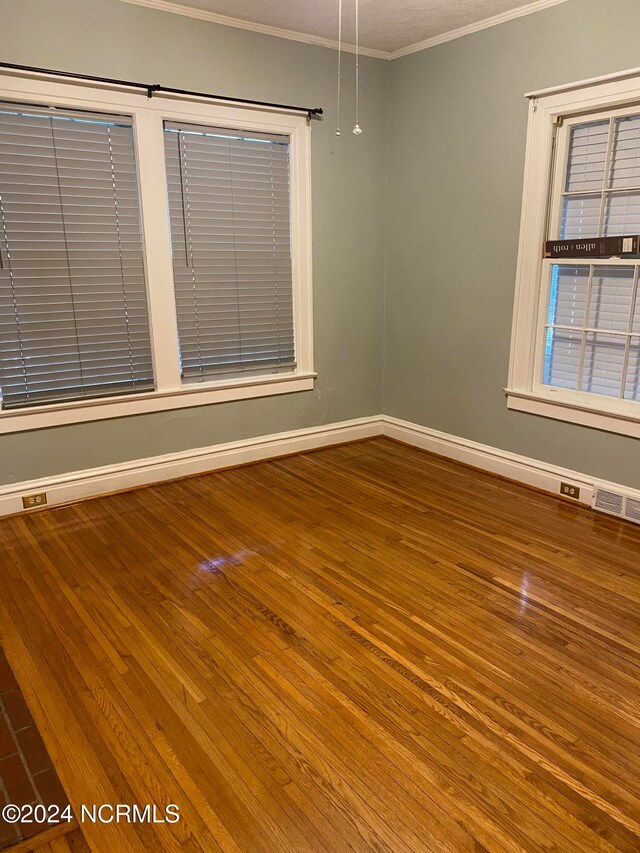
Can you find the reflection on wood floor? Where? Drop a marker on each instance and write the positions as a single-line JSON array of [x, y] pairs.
[[362, 648]]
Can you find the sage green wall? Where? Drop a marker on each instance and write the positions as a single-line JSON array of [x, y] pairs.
[[453, 166], [115, 39], [457, 126]]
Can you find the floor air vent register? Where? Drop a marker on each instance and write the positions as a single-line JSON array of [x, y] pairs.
[[618, 504]]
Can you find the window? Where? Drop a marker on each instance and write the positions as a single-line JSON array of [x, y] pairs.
[[576, 339], [231, 244], [74, 320], [154, 253]]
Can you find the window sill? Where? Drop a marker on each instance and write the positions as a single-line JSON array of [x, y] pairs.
[[619, 416], [41, 417]]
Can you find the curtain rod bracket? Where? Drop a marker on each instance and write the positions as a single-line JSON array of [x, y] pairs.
[[154, 87]]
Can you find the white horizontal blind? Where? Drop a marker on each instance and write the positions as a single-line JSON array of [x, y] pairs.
[[73, 306], [229, 202], [601, 195], [593, 330]]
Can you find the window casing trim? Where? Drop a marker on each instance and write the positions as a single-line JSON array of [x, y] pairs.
[[148, 115], [540, 210], [18, 420]]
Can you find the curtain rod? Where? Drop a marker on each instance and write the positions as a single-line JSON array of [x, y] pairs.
[[152, 88]]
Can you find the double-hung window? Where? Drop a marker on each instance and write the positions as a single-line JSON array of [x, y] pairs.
[[576, 338], [154, 253]]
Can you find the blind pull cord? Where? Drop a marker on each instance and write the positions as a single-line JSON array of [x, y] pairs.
[[184, 209], [357, 129], [339, 64]]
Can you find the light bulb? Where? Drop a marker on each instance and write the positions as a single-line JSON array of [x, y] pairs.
[[357, 130], [338, 132]]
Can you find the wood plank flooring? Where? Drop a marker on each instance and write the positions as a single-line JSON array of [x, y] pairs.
[[365, 648], [64, 838], [72, 842]]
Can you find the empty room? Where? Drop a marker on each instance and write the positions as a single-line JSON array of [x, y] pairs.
[[319, 423]]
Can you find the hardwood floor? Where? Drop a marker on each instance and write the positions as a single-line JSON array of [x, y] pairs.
[[65, 838], [72, 843], [364, 648]]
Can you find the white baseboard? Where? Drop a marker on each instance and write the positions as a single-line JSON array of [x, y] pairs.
[[76, 485], [93, 482], [511, 465]]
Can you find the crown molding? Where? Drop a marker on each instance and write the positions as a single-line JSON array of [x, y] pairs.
[[494, 21], [305, 38], [264, 29]]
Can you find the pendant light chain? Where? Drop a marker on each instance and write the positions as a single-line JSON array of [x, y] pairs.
[[339, 62], [357, 129]]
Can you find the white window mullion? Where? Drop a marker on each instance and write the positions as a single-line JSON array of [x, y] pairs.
[[157, 243], [301, 245]]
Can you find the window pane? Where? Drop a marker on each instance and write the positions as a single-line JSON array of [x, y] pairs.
[[562, 358], [580, 217], [603, 364], [587, 157], [231, 240], [625, 158], [622, 214], [73, 306], [632, 385], [568, 301], [611, 295]]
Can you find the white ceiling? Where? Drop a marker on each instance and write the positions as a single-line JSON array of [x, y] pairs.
[[387, 27]]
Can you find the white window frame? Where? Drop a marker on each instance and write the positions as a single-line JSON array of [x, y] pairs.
[[148, 115], [571, 104]]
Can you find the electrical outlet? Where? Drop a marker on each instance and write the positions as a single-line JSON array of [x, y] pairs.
[[570, 491], [31, 501]]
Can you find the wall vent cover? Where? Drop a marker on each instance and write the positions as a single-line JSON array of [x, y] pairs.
[[617, 503], [609, 502], [632, 510]]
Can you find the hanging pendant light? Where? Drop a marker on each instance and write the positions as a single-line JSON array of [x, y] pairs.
[[339, 62], [357, 129]]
